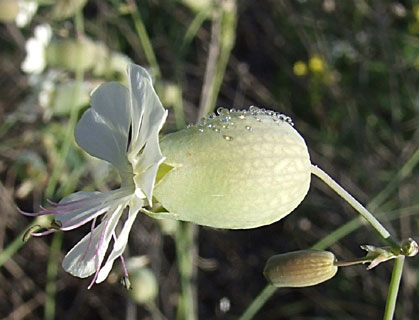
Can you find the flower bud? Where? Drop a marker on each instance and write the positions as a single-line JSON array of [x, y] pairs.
[[236, 170], [300, 268], [144, 285], [72, 55]]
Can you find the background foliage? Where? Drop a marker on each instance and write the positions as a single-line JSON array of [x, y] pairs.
[[345, 71]]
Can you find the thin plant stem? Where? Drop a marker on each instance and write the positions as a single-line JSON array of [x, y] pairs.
[[192, 30], [401, 174], [185, 252], [260, 300], [355, 204], [52, 270], [18, 242], [144, 38], [394, 288], [338, 233], [222, 42]]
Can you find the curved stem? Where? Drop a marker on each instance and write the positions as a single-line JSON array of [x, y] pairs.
[[394, 288], [260, 300], [355, 204]]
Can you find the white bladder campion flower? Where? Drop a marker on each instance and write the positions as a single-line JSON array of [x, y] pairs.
[[236, 169], [122, 128]]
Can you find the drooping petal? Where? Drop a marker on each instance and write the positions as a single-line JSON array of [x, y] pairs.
[[121, 241], [85, 257], [104, 128]]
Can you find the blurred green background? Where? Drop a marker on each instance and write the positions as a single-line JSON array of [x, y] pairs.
[[345, 71]]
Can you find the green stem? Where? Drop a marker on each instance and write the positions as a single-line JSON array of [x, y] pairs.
[[355, 204], [222, 42], [394, 288], [18, 242], [404, 171], [52, 270], [260, 300], [144, 38], [185, 252]]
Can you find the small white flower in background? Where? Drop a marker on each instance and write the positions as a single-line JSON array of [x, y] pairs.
[[27, 9], [35, 61], [121, 127]]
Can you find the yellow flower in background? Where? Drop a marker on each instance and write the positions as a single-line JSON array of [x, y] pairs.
[[316, 64], [416, 12], [300, 68]]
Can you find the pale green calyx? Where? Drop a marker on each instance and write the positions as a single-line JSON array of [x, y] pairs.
[[235, 170]]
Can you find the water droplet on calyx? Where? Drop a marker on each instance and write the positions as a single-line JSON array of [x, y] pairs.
[[223, 118], [228, 138]]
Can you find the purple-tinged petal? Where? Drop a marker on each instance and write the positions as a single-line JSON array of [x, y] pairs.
[[86, 256]]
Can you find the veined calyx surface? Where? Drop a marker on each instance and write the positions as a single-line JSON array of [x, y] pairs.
[[235, 170]]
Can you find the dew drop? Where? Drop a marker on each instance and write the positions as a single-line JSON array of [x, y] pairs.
[[249, 128], [254, 110], [216, 129], [242, 117], [228, 138], [225, 118], [222, 111], [201, 129]]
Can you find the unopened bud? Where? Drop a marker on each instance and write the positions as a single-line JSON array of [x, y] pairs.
[[144, 286], [235, 170], [71, 54], [300, 268]]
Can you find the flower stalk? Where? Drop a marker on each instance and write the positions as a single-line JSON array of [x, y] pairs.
[[384, 233]]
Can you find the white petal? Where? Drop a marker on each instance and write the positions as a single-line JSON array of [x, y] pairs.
[[103, 129], [147, 112], [87, 255], [149, 162], [120, 243], [146, 105]]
